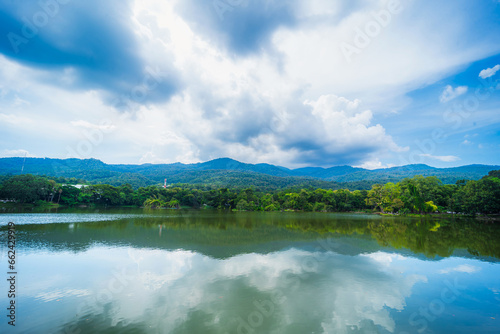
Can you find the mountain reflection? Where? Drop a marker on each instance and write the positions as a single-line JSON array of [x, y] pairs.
[[225, 235]]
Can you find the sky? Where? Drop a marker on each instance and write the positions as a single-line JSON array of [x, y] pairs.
[[296, 83]]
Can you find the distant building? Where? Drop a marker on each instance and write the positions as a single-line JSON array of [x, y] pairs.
[[79, 186]]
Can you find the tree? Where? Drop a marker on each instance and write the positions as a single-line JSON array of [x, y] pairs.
[[60, 192], [392, 194], [26, 188], [154, 203], [416, 198], [271, 207], [242, 205], [174, 203], [429, 207], [126, 194], [106, 194], [490, 195], [493, 173], [69, 195], [53, 190], [376, 197], [385, 197], [482, 196]]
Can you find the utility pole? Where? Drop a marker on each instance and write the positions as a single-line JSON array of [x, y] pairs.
[[22, 168]]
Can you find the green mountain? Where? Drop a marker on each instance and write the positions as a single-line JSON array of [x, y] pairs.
[[232, 173]]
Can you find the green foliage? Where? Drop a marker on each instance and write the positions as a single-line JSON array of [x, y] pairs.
[[412, 195], [482, 196], [154, 203], [385, 197], [26, 188], [427, 195], [429, 207], [70, 195]]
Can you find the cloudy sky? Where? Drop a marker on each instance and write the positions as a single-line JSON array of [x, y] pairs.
[[371, 83]]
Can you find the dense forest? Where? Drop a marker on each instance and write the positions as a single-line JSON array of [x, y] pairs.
[[418, 194]]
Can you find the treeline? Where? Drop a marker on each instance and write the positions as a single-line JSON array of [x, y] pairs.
[[412, 195]]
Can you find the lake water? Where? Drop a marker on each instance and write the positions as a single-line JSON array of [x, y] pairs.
[[171, 271]]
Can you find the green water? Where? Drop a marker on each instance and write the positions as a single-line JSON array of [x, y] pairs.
[[170, 271]]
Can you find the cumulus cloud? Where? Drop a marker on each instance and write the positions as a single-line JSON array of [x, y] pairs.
[[489, 72], [463, 268], [444, 158], [449, 93], [188, 285], [374, 164], [384, 258], [331, 130], [16, 153], [335, 130], [282, 273]]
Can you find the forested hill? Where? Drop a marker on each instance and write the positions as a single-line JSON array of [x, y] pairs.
[[228, 172]]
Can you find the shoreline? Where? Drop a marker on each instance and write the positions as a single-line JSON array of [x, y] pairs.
[[9, 207]]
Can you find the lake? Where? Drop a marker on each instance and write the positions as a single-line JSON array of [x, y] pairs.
[[188, 271]]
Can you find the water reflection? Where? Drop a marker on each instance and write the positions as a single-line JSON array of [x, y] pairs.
[[253, 273], [293, 291], [224, 235]]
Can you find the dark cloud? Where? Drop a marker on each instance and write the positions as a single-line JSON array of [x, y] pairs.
[[240, 119], [241, 26], [93, 38], [322, 157], [248, 118]]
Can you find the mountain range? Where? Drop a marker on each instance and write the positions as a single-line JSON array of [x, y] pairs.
[[229, 172]]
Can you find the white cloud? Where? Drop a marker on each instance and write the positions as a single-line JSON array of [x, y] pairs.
[[464, 268], [450, 93], [250, 108], [188, 283], [266, 274], [374, 164], [384, 258], [489, 72], [344, 122], [104, 126], [14, 119], [16, 153], [334, 130], [399, 59], [444, 158], [248, 96], [19, 102]]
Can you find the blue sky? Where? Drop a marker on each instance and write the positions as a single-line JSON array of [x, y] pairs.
[[296, 83]]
